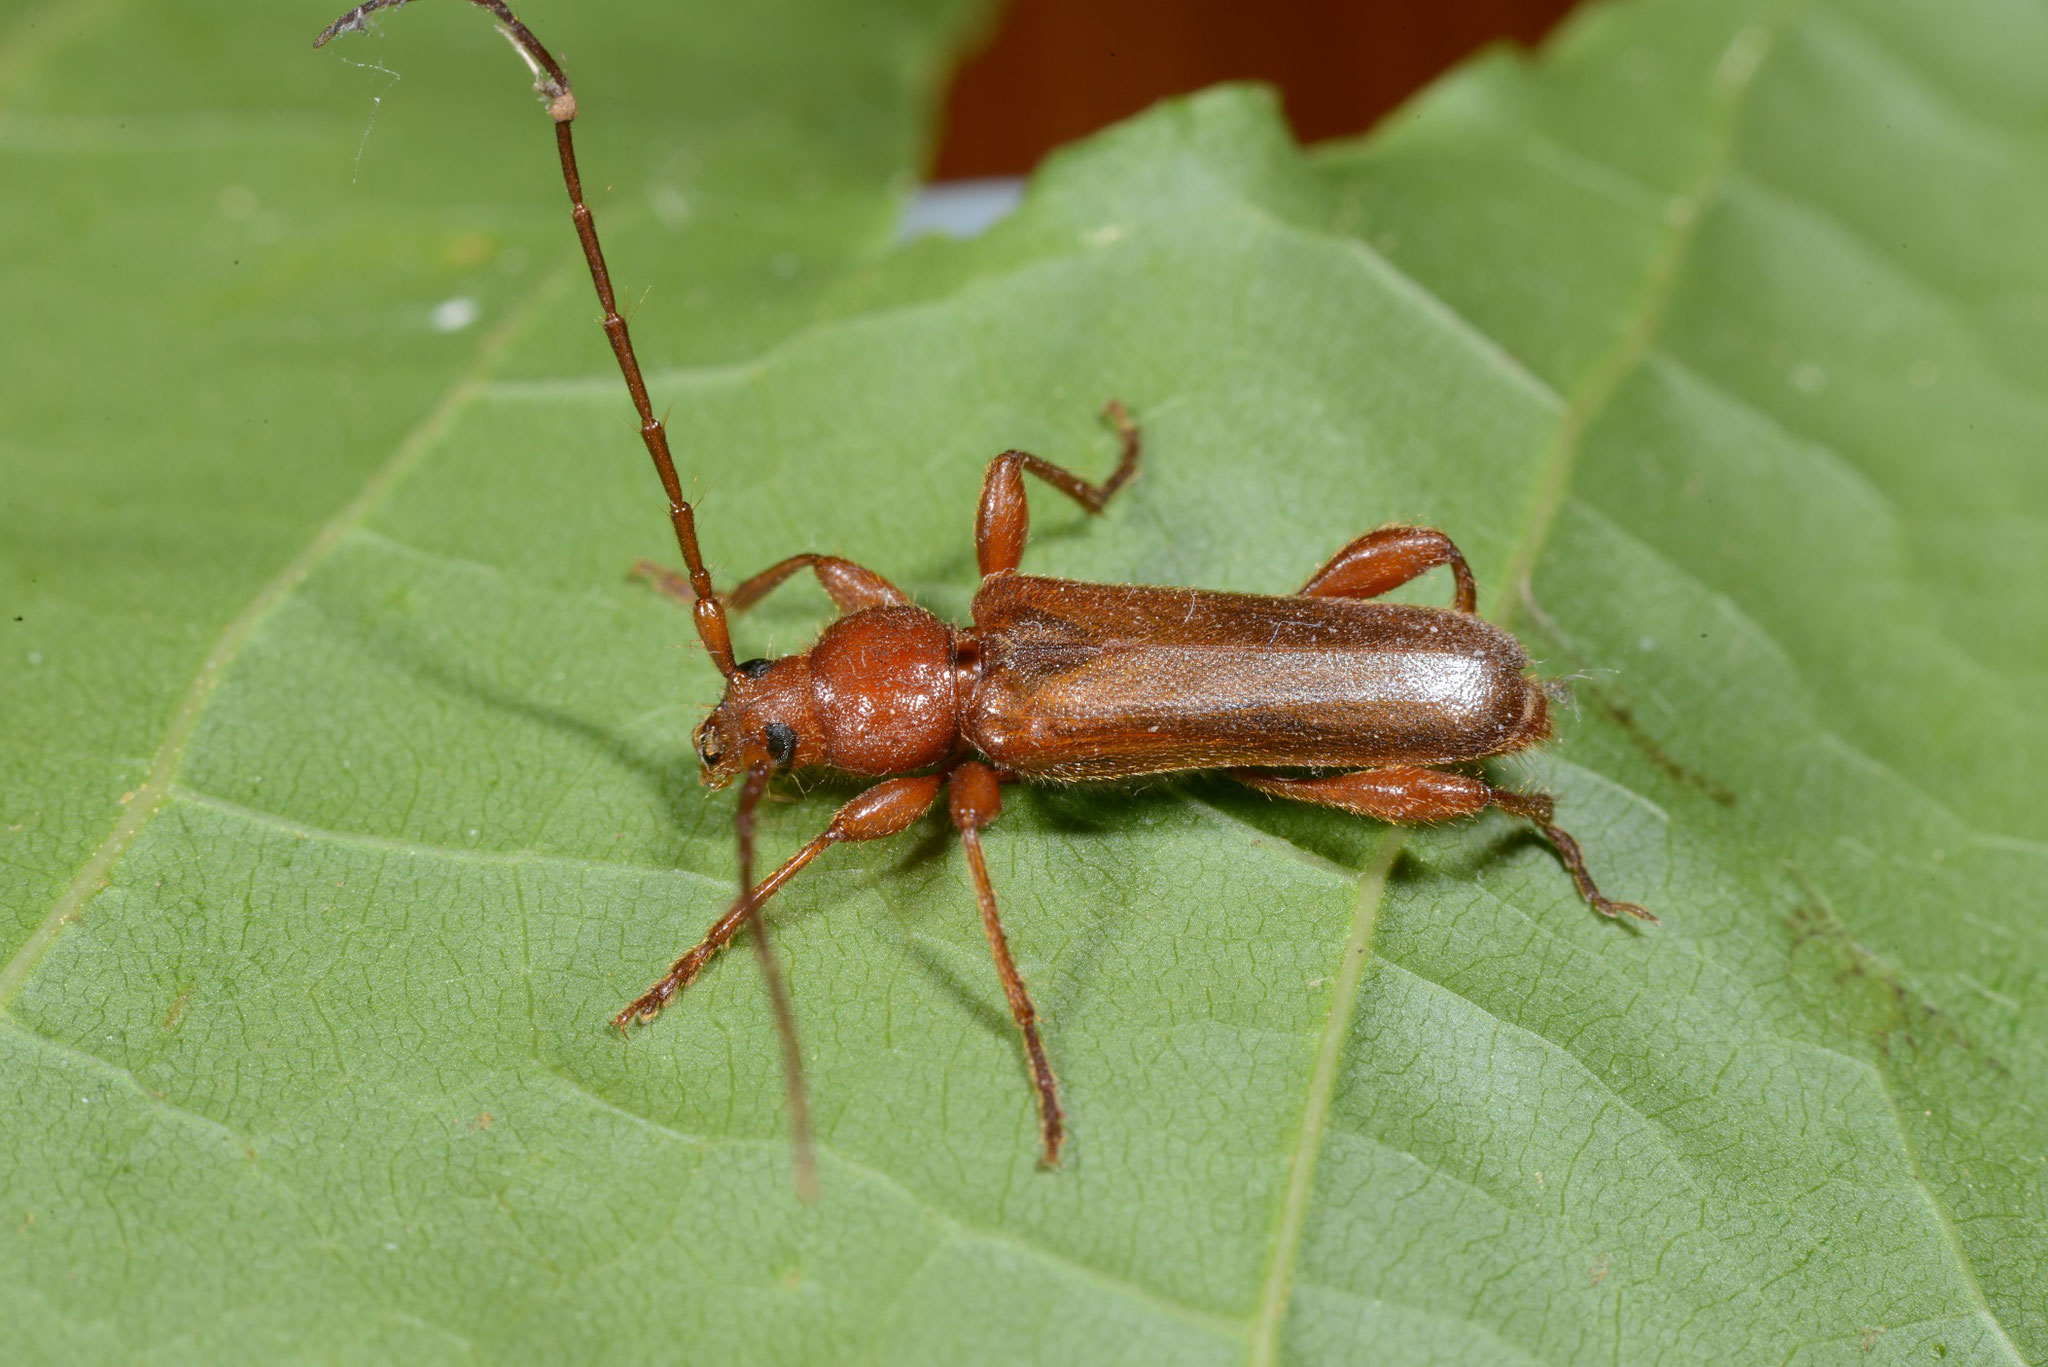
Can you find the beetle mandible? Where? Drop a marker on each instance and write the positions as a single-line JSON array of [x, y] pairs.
[[1319, 696]]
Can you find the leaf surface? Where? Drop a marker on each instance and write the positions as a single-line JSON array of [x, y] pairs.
[[1721, 325]]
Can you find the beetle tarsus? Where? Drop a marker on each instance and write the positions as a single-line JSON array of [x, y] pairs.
[[1575, 864], [1614, 909], [664, 581], [645, 1007]]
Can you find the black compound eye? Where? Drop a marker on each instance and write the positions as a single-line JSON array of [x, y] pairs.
[[753, 669], [781, 743]]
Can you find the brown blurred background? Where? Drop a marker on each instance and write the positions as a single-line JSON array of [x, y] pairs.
[[1055, 70]]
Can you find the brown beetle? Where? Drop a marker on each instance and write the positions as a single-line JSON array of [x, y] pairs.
[[1063, 681]]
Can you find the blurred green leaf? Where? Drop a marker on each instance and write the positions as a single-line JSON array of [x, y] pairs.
[[348, 783]]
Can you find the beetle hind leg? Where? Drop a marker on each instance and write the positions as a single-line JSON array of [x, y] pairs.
[[1408, 794], [1575, 864], [1380, 562]]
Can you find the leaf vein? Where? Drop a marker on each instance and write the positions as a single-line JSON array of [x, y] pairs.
[[155, 790], [418, 849], [960, 1228]]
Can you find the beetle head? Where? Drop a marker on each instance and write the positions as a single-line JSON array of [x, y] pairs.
[[765, 716]]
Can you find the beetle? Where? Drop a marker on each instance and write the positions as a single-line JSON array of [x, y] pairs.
[[1322, 696]]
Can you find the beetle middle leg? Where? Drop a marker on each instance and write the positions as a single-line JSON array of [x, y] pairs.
[[884, 810], [1004, 521], [1409, 793], [975, 801], [1383, 560]]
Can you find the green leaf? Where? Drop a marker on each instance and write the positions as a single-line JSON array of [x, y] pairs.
[[1723, 325]]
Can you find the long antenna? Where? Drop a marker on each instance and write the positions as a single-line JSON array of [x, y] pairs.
[[553, 83]]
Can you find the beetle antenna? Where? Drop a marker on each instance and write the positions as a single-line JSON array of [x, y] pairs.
[[553, 83], [803, 1153]]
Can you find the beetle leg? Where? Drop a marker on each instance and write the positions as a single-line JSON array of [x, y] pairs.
[[1407, 793], [1388, 558], [883, 810], [1004, 521], [852, 587], [975, 801]]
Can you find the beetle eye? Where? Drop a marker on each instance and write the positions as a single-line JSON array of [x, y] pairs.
[[781, 743]]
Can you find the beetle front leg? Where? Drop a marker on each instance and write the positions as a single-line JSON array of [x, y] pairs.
[[1004, 521], [975, 801], [1382, 561], [1408, 794], [852, 587], [883, 810]]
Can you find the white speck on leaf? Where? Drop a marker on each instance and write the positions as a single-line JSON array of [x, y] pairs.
[[671, 206], [453, 315], [1742, 57]]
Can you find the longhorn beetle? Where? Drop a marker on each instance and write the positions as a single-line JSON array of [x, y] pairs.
[[1320, 696]]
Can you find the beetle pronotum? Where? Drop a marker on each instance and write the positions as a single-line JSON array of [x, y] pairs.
[[1320, 696]]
